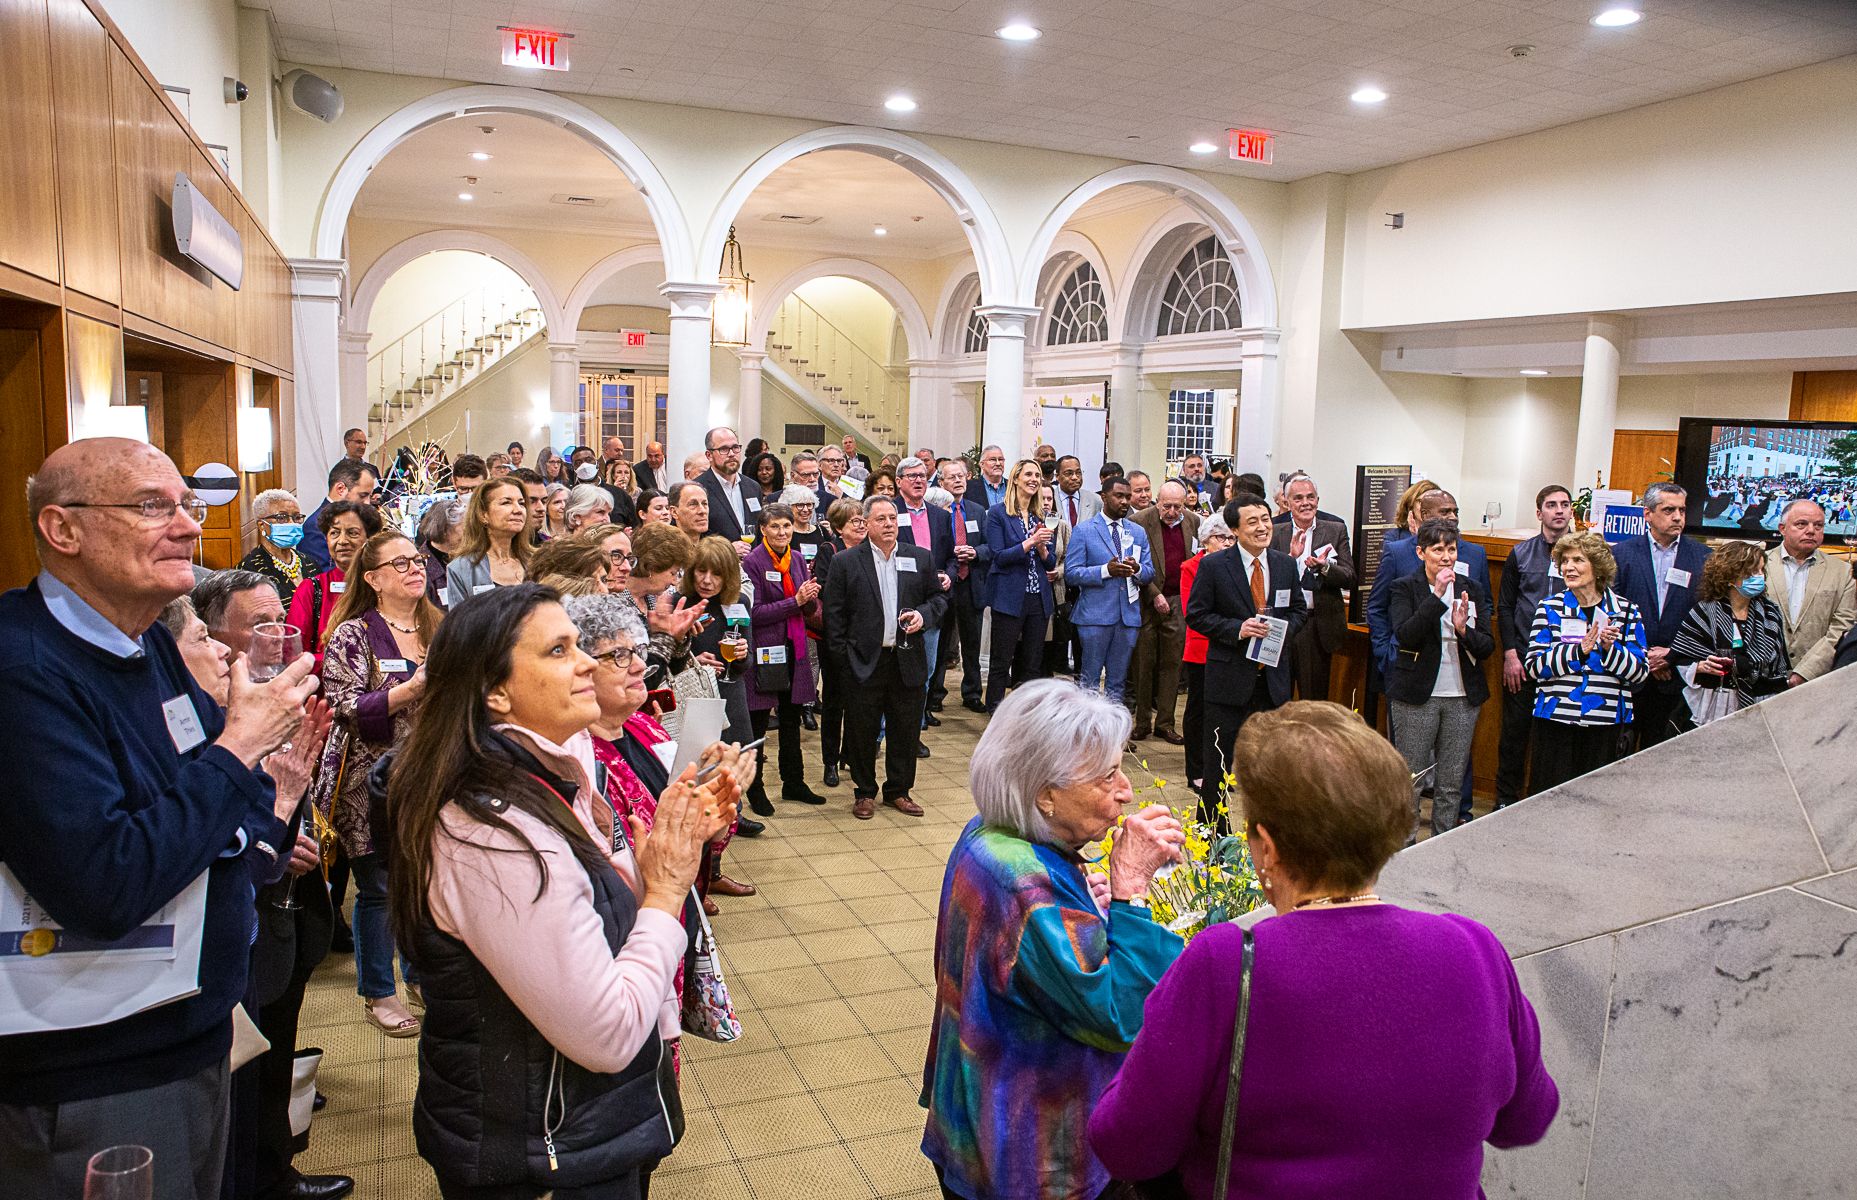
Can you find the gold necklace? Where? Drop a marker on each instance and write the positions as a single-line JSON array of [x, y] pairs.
[[1331, 901]]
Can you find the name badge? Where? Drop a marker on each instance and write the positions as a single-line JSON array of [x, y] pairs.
[[1282, 599], [667, 751], [773, 576], [337, 587], [906, 565], [1308, 598], [769, 655], [444, 597], [735, 612], [183, 723], [1462, 568], [753, 504], [394, 666], [973, 526], [1572, 629], [480, 588], [808, 551], [1677, 577]]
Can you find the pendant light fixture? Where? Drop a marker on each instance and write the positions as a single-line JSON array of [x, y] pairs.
[[728, 323]]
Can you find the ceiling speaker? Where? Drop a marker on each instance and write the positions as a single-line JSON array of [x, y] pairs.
[[312, 95]]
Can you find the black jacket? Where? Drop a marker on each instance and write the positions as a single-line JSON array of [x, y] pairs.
[[260, 560], [1221, 602], [722, 520], [854, 610], [1415, 611]]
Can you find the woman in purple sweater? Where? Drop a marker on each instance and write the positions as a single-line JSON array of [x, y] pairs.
[[1383, 1046]]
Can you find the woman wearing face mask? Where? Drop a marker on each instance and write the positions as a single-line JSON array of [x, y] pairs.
[[345, 524], [280, 528], [374, 679], [1731, 647], [494, 553]]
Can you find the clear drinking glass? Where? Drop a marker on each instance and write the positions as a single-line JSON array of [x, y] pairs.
[[274, 646], [120, 1173]]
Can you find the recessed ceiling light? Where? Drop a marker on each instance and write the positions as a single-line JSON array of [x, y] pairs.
[[1615, 18], [466, 196], [900, 103], [1533, 371], [1018, 31], [1368, 95], [1202, 147], [879, 231], [480, 156]]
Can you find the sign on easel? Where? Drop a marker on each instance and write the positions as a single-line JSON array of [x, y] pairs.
[[1376, 501]]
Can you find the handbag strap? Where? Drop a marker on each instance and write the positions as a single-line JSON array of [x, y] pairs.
[[1228, 1130]]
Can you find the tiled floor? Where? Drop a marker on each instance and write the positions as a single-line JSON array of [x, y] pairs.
[[830, 968]]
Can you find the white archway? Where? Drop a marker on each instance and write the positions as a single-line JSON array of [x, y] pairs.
[[915, 323], [1257, 288], [958, 297], [339, 200], [361, 308], [613, 264], [982, 228], [1069, 249]]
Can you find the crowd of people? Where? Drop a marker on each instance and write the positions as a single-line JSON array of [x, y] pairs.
[[480, 732]]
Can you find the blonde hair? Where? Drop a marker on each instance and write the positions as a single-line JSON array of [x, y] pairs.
[[1593, 546], [1014, 504]]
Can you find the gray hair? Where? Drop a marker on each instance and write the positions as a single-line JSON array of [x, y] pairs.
[[439, 519], [797, 493], [552, 488], [583, 498], [793, 464], [270, 498], [1654, 495], [1214, 524], [871, 502], [175, 612], [1047, 734], [938, 496], [603, 618], [213, 595]]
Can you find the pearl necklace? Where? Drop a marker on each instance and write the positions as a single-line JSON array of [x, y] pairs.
[[393, 624], [1332, 901]]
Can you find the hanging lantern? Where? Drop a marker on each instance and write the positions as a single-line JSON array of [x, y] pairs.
[[728, 322]]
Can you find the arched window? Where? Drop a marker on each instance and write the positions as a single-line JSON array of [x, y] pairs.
[[1202, 295], [1079, 313], [974, 341]]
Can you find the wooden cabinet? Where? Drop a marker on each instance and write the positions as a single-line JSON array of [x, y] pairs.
[[1824, 396], [1640, 457], [28, 202], [85, 136]]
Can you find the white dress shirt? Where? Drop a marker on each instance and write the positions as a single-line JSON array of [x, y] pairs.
[[886, 588], [1662, 560], [1797, 571], [732, 492]]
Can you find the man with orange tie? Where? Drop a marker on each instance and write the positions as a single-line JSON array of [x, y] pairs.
[[1248, 603]]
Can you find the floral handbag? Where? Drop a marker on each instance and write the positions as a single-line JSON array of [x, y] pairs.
[[707, 1010]]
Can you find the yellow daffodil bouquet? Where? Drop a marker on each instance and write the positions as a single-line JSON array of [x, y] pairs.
[[1215, 881]]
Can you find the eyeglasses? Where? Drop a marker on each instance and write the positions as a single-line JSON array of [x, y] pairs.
[[156, 510], [731, 448], [621, 558], [283, 518], [619, 656], [402, 564]]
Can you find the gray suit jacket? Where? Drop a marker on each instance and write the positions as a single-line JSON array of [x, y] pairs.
[[1088, 505], [1329, 616], [1830, 608]]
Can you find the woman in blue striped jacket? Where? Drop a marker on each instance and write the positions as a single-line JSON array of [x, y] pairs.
[[1587, 652]]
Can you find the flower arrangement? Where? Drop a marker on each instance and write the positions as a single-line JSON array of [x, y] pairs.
[[1215, 882]]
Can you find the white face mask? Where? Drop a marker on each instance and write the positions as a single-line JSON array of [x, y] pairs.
[[586, 472]]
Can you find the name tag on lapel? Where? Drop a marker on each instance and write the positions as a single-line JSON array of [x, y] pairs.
[[1462, 568], [973, 526], [773, 576], [1677, 577], [1282, 599], [906, 565], [337, 587], [735, 612], [394, 666], [754, 506]]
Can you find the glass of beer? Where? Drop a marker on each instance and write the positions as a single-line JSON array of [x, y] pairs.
[[734, 647]]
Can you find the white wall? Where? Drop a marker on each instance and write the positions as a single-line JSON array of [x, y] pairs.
[[1731, 194], [1518, 437], [431, 282], [508, 403], [1657, 401], [856, 310], [192, 44]]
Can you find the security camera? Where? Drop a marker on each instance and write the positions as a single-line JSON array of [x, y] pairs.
[[312, 95], [236, 91]]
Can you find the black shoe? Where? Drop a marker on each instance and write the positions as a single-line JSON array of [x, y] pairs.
[[342, 941], [974, 706], [321, 1102], [799, 793], [930, 720], [831, 777], [749, 827], [935, 705], [312, 1187], [921, 750], [808, 721], [759, 804]]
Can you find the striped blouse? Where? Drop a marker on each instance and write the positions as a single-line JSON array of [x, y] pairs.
[[1590, 688]]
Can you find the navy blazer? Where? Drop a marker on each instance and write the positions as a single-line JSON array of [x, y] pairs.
[[973, 516], [1006, 573], [1397, 560], [1637, 582], [1220, 602]]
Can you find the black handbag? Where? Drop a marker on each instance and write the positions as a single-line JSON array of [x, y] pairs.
[[1170, 1186], [771, 678]]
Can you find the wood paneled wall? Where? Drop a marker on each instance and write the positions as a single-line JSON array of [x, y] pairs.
[[1824, 396], [1640, 457]]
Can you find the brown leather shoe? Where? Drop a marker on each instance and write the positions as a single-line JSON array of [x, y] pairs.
[[709, 908], [1172, 738], [1139, 735], [722, 885], [904, 805], [864, 807]]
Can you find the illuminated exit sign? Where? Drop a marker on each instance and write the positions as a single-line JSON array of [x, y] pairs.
[[534, 48], [635, 337], [1247, 145]]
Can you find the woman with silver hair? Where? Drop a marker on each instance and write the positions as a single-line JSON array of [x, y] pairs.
[[441, 531], [587, 504], [1041, 970]]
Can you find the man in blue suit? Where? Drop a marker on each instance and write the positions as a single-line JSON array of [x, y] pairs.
[[1659, 571], [1106, 563], [920, 523]]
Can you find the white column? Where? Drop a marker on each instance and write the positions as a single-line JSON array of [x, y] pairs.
[[1592, 446], [688, 416], [928, 425], [1002, 419], [1259, 384], [1125, 406], [316, 288], [356, 397], [563, 377], [748, 399]]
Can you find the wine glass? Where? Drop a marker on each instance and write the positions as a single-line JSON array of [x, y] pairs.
[[120, 1173], [1491, 511], [290, 903], [274, 646]]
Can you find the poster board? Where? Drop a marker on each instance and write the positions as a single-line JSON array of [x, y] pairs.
[[1376, 497]]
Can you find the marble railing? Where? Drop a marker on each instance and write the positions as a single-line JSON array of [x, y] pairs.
[[1685, 924]]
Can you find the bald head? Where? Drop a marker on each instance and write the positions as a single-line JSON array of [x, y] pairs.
[[1438, 505]]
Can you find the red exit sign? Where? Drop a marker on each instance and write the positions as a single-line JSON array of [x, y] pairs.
[[1253, 145], [635, 337], [534, 48]]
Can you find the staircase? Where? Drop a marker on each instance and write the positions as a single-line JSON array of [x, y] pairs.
[[837, 376], [445, 352]]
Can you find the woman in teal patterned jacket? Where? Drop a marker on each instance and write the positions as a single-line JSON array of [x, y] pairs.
[[1041, 972]]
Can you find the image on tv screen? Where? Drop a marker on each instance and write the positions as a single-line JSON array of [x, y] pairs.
[[1754, 471]]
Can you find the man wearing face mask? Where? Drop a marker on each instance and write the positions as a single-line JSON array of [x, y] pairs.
[[280, 530]]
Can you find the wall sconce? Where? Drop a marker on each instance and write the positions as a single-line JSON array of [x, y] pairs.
[[256, 443], [728, 320], [115, 420]]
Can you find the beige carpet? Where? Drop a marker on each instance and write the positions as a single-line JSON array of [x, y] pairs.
[[830, 967]]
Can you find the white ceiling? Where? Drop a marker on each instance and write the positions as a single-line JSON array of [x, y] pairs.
[[533, 161], [1136, 79]]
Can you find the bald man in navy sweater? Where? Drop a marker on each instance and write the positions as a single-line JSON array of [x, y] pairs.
[[132, 785]]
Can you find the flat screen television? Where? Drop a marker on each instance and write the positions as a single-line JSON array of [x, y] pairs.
[[1740, 475]]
